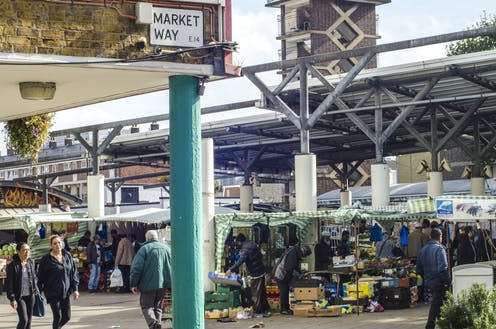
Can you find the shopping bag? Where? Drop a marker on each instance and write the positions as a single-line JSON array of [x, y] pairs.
[[39, 305], [116, 278]]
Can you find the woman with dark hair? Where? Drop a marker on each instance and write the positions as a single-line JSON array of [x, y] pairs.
[[21, 285], [58, 279]]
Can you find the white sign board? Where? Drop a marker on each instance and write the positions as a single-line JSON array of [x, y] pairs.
[[465, 209], [176, 27]]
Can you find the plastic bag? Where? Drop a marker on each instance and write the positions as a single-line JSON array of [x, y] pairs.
[[116, 278]]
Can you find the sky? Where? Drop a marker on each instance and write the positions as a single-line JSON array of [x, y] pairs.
[[255, 29]]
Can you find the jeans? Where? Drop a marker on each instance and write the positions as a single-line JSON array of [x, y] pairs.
[[438, 297], [151, 306], [61, 310], [94, 277], [25, 311], [283, 295]]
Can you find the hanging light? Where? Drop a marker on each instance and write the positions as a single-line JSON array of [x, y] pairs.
[[37, 90]]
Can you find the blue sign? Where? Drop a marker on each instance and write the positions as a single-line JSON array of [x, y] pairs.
[[444, 208]]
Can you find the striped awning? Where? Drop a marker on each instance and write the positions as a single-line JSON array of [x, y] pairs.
[[425, 205]]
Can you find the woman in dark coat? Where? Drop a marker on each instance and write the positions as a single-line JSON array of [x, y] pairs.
[[58, 279], [21, 285], [466, 252]]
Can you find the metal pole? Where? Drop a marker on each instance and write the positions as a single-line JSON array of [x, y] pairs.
[[304, 111], [379, 157], [186, 208]]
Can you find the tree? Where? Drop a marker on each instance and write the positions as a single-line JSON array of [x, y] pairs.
[[473, 45]]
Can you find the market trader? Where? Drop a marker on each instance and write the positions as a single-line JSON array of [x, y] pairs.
[[323, 252], [251, 255], [343, 248], [432, 264]]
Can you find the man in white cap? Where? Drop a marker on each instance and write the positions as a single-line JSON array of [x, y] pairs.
[[323, 252]]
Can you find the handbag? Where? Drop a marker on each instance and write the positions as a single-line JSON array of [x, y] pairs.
[[39, 305]]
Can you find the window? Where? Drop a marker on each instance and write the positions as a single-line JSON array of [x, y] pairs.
[[67, 165], [129, 195]]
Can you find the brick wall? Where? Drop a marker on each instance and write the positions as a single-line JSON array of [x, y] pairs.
[[92, 30]]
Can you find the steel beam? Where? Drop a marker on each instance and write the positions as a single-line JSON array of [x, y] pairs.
[[304, 111]]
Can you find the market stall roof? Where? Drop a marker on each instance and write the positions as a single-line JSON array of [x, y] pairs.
[[403, 192]]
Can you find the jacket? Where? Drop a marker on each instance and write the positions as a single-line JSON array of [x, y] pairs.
[[125, 252], [432, 264], [384, 248], [14, 278], [289, 265], [151, 267], [251, 255], [416, 240], [466, 253], [323, 254], [92, 253], [57, 281]]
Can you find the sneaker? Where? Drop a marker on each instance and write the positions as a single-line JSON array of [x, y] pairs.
[[258, 315], [287, 312], [267, 315]]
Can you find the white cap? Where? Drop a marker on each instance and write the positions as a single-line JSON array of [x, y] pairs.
[[325, 233]]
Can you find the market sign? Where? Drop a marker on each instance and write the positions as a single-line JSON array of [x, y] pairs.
[[466, 209], [176, 27]]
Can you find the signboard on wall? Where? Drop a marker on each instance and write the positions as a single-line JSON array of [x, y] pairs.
[[176, 27], [466, 209]]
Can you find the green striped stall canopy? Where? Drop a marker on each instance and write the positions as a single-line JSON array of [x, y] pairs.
[[425, 205]]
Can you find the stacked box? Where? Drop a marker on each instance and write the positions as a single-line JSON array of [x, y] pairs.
[[222, 300], [308, 293], [365, 290]]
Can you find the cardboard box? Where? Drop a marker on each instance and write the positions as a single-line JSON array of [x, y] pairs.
[[309, 293], [330, 311], [303, 309], [216, 314]]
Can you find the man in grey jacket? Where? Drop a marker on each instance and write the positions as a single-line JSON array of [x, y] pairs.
[[432, 264]]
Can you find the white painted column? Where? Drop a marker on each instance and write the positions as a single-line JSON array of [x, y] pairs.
[[45, 207], [346, 198], [478, 185], [434, 183], [306, 197], [494, 171], [96, 200], [246, 198], [208, 209], [380, 184], [306, 182]]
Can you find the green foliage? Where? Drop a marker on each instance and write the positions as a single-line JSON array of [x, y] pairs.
[[473, 309], [475, 44], [27, 135], [217, 186]]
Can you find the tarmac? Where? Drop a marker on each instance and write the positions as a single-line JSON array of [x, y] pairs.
[[111, 310]]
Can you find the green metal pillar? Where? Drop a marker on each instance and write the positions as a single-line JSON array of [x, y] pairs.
[[185, 200]]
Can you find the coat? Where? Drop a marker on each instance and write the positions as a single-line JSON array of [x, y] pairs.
[[125, 252], [466, 253], [151, 267], [92, 253], [416, 240], [252, 256], [323, 254], [14, 278], [57, 281], [289, 266]]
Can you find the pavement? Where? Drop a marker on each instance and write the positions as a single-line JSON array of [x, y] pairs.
[[111, 310]]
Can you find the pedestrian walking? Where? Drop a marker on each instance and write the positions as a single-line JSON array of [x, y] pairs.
[[151, 275], [252, 256], [22, 285], [94, 261], [286, 270], [123, 260], [432, 264], [58, 279]]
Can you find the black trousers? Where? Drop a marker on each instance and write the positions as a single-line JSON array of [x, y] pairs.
[[126, 272], [25, 312], [283, 295], [438, 297], [258, 295], [61, 310]]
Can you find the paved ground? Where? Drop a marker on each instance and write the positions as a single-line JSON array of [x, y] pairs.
[[109, 310]]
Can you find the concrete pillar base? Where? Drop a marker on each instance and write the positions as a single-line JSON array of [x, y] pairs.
[[380, 184], [45, 207], [246, 198], [346, 198], [306, 182], [434, 183], [478, 186]]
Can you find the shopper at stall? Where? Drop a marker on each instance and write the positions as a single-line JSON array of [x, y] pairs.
[[151, 274], [432, 264], [323, 252], [94, 260], [285, 271], [85, 239], [123, 260], [65, 243], [343, 249], [251, 255], [416, 240], [384, 248], [58, 278], [465, 251], [115, 242], [22, 285]]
